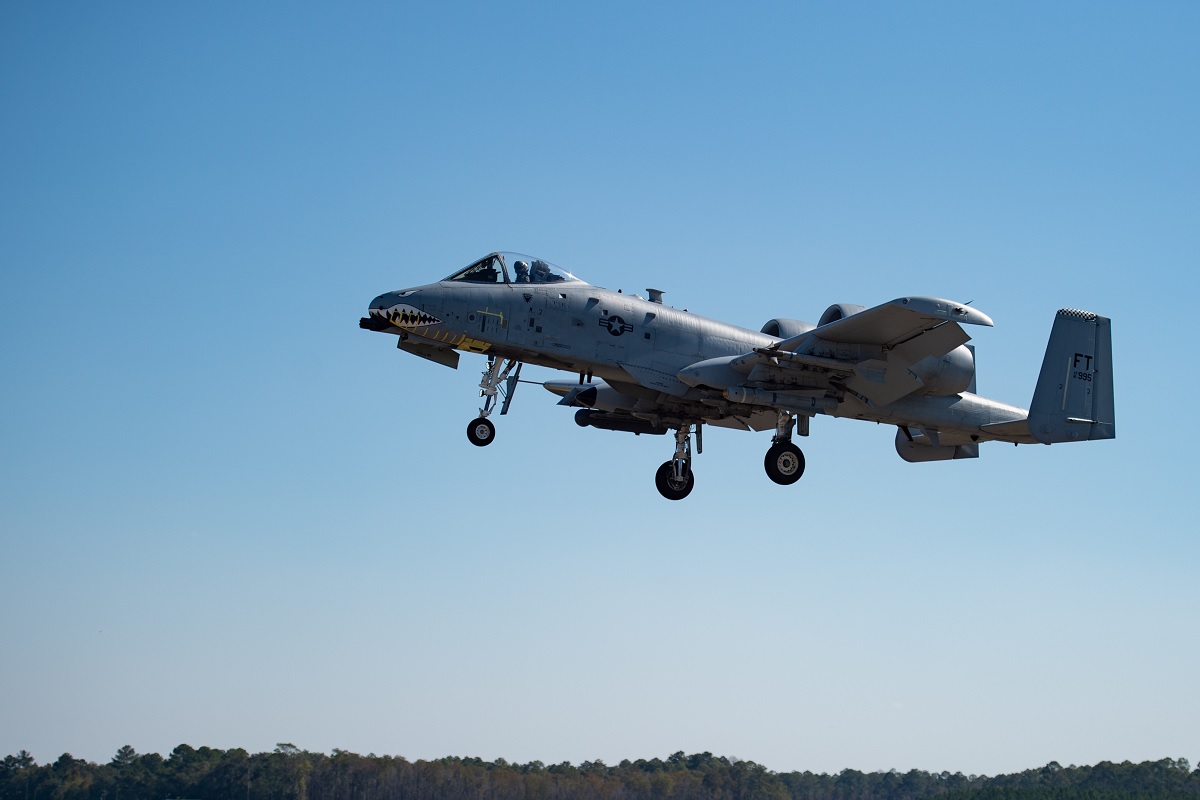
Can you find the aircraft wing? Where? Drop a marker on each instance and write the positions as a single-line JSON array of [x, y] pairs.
[[911, 331], [892, 323]]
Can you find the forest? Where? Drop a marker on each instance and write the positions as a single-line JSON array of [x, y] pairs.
[[289, 773]]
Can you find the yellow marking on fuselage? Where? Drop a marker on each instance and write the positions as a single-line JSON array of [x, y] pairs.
[[457, 340], [472, 345]]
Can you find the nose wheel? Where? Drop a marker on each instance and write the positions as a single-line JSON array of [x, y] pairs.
[[496, 383], [481, 432]]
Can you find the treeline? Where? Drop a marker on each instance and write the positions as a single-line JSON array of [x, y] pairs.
[[290, 773]]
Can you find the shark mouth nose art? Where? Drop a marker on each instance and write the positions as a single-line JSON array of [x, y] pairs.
[[405, 316]]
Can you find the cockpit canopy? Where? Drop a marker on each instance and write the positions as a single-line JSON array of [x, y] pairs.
[[505, 267]]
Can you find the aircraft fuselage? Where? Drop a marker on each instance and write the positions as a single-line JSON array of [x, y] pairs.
[[579, 328], [903, 363]]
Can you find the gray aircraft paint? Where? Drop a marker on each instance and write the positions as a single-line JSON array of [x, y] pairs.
[[655, 368]]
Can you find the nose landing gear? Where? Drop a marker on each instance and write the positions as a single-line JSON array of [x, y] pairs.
[[675, 479], [481, 432]]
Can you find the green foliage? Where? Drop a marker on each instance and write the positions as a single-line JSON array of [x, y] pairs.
[[124, 757], [289, 773]]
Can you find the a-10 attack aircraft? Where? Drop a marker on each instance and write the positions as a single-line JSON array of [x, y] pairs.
[[644, 367]]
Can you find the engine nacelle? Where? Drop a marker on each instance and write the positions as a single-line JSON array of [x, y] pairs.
[[951, 374], [920, 449], [840, 311], [786, 328], [586, 417]]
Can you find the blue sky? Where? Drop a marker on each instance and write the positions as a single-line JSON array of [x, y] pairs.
[[231, 518]]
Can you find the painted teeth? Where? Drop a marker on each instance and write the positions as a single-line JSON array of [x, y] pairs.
[[405, 316]]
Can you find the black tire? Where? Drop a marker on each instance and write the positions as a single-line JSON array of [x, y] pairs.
[[784, 463], [481, 432], [668, 486]]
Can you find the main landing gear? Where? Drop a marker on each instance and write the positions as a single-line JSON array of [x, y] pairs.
[[785, 461], [481, 432], [675, 479]]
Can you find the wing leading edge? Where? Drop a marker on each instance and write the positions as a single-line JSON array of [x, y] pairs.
[[892, 323], [881, 354]]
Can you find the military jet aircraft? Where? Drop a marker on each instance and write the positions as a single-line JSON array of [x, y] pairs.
[[644, 367]]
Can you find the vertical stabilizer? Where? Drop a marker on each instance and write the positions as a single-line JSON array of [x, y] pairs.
[[1073, 401]]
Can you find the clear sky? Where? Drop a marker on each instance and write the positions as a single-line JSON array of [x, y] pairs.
[[231, 518]]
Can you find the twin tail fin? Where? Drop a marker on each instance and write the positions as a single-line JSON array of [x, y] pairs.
[[1073, 401]]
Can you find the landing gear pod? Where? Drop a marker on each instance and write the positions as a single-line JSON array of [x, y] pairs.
[[917, 447]]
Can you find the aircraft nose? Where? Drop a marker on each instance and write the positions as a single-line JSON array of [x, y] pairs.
[[385, 300], [402, 309]]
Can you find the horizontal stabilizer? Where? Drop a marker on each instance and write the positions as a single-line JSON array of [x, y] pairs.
[[1016, 430]]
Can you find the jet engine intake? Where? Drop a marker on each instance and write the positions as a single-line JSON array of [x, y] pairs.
[[839, 311], [786, 328]]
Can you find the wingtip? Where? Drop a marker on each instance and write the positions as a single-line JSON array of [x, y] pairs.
[[982, 318], [947, 309]]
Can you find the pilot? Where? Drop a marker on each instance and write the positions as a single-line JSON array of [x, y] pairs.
[[522, 270]]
